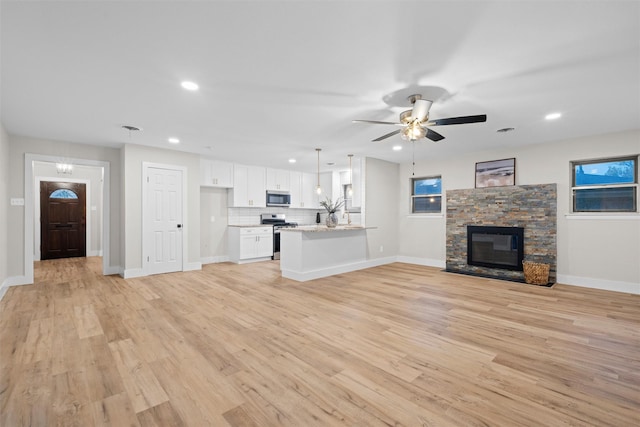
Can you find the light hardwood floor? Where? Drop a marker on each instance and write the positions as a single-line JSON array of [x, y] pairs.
[[237, 345]]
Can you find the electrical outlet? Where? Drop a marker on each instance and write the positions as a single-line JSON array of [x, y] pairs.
[[212, 219], [381, 248]]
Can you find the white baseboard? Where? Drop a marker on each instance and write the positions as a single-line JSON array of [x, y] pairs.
[[607, 285], [338, 269], [18, 280], [214, 259], [3, 289], [421, 261], [191, 266], [132, 273], [94, 253], [113, 269], [249, 261], [13, 281]]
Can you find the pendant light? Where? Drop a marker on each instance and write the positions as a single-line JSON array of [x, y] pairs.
[[350, 191], [318, 188]]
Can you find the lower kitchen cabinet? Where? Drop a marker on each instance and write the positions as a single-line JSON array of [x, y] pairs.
[[249, 244]]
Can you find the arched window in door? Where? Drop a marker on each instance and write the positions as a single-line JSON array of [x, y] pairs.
[[63, 193]]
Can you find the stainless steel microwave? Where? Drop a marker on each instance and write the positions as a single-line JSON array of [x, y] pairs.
[[278, 198]]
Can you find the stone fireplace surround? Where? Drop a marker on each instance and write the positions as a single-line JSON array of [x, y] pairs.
[[533, 207]]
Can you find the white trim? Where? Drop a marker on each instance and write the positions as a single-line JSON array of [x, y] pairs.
[[17, 281], [214, 259], [132, 273], [29, 208], [429, 216], [609, 216], [192, 266], [427, 262], [37, 225], [114, 269], [337, 269], [607, 285], [3, 289], [183, 170], [250, 260]]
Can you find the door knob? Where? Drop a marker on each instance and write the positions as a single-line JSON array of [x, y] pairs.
[[179, 225]]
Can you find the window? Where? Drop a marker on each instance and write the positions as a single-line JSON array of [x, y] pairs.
[[426, 195], [605, 185], [63, 193]]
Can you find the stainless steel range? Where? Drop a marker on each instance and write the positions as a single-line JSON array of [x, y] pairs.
[[279, 222]]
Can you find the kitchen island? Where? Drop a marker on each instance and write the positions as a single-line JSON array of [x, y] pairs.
[[311, 252]]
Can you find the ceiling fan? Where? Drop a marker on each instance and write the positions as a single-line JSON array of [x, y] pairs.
[[414, 122]]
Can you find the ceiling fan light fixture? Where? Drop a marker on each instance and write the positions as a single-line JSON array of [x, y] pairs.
[[413, 132]]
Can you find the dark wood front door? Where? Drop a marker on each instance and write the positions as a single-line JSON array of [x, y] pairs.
[[62, 219]]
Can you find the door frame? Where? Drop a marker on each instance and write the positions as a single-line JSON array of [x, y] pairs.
[[145, 248], [29, 211], [37, 225]]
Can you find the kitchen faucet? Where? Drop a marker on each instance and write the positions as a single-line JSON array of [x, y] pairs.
[[346, 212]]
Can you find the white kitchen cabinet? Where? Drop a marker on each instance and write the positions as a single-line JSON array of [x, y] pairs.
[[214, 173], [303, 190], [278, 180], [249, 244], [249, 190]]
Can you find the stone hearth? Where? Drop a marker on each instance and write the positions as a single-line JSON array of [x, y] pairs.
[[533, 207]]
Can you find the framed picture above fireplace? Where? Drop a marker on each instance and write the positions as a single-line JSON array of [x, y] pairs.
[[496, 173]]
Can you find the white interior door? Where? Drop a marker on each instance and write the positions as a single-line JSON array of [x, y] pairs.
[[163, 220]]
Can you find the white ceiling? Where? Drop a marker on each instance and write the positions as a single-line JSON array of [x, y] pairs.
[[278, 79]]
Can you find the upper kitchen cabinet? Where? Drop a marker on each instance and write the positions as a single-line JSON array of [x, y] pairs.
[[303, 190], [249, 187], [214, 173], [278, 179]]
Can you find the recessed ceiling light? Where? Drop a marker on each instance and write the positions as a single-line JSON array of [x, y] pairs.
[[331, 163], [503, 130], [292, 160], [174, 140], [397, 147], [189, 85], [553, 116]]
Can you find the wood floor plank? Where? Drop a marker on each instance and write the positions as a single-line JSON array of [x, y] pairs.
[[142, 386], [238, 345]]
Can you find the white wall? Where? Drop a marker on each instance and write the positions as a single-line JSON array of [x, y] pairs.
[[213, 224], [4, 208], [18, 147], [592, 252], [133, 157], [381, 198]]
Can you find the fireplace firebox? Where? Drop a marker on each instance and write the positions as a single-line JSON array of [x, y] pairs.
[[495, 247]]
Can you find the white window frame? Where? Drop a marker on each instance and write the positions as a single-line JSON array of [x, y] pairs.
[[574, 187], [414, 196]]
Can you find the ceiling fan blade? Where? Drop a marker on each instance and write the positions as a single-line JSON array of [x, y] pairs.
[[458, 120], [395, 132], [420, 109], [434, 136], [377, 122]]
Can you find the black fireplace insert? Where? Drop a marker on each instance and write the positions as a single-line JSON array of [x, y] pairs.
[[495, 247]]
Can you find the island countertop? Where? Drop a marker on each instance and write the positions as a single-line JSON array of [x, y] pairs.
[[324, 228]]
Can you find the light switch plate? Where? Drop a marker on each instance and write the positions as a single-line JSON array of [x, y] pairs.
[[17, 202]]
